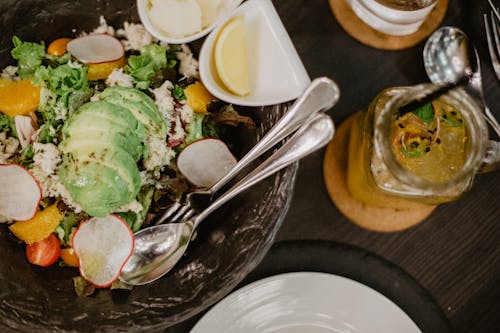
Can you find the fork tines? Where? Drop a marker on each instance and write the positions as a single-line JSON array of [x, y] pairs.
[[493, 41]]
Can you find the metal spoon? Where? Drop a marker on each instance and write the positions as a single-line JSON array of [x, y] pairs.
[[449, 57], [319, 96], [158, 249]]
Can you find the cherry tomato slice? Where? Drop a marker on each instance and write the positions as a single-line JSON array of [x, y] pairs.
[[44, 253], [58, 47]]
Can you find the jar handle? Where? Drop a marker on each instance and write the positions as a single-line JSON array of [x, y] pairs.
[[491, 160]]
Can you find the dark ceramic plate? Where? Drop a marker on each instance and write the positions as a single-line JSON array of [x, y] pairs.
[[229, 244]]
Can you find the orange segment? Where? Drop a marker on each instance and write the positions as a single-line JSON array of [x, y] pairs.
[[18, 97], [39, 227], [102, 70], [69, 257], [198, 97], [58, 47]]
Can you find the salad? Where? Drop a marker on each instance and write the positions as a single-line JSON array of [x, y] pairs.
[[90, 129]]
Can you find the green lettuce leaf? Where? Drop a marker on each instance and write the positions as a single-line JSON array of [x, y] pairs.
[[29, 56], [7, 124], [143, 67], [66, 88], [194, 129]]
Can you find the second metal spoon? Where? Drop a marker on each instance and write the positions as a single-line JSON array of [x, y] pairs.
[[449, 57], [157, 249]]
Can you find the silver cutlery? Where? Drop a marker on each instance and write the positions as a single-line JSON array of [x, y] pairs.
[[320, 95], [493, 41], [450, 58], [158, 248]]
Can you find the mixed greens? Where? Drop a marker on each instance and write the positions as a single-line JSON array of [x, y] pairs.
[[100, 138]]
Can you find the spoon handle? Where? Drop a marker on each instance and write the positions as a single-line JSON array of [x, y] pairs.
[[320, 95], [490, 118], [315, 134]]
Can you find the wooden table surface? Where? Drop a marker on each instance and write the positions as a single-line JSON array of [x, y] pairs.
[[455, 253]]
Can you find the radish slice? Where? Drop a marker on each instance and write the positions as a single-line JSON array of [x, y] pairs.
[[205, 161], [94, 49], [103, 246], [20, 193], [25, 129]]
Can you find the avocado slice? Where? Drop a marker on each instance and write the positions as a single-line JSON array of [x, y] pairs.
[[113, 157], [97, 188], [99, 138], [101, 115], [140, 105]]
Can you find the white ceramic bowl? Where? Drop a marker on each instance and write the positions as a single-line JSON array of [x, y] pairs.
[[276, 72], [143, 15]]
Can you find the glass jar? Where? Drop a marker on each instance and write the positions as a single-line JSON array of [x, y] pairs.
[[427, 156]]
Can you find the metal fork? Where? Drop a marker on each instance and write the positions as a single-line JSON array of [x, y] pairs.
[[319, 96], [493, 42]]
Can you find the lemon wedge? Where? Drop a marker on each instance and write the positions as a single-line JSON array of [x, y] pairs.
[[231, 57]]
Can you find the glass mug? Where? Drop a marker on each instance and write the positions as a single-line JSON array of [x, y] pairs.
[[393, 17], [428, 156]]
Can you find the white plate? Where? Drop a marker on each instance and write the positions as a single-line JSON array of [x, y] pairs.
[[306, 302], [276, 72], [143, 15]]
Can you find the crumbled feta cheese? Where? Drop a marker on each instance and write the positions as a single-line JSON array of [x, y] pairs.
[[8, 147], [46, 160], [74, 64], [46, 156], [186, 113], [159, 154], [146, 178], [60, 111], [95, 97], [119, 78], [132, 206], [9, 73], [164, 100], [188, 64], [104, 28], [178, 132], [136, 36]]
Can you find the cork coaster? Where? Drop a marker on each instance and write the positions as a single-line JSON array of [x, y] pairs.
[[369, 217], [358, 29]]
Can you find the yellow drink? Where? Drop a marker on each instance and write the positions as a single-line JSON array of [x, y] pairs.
[[427, 156]]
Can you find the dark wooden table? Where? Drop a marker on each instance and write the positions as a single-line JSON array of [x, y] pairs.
[[455, 253]]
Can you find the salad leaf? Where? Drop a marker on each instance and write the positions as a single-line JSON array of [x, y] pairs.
[[7, 124], [128, 217], [55, 61], [425, 112], [178, 93], [135, 220], [194, 129], [66, 227], [79, 97], [49, 132], [145, 197], [27, 155], [144, 66], [29, 56], [82, 287], [66, 88], [62, 79]]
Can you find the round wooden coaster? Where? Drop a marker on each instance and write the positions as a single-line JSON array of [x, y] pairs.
[[369, 217], [358, 29]]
